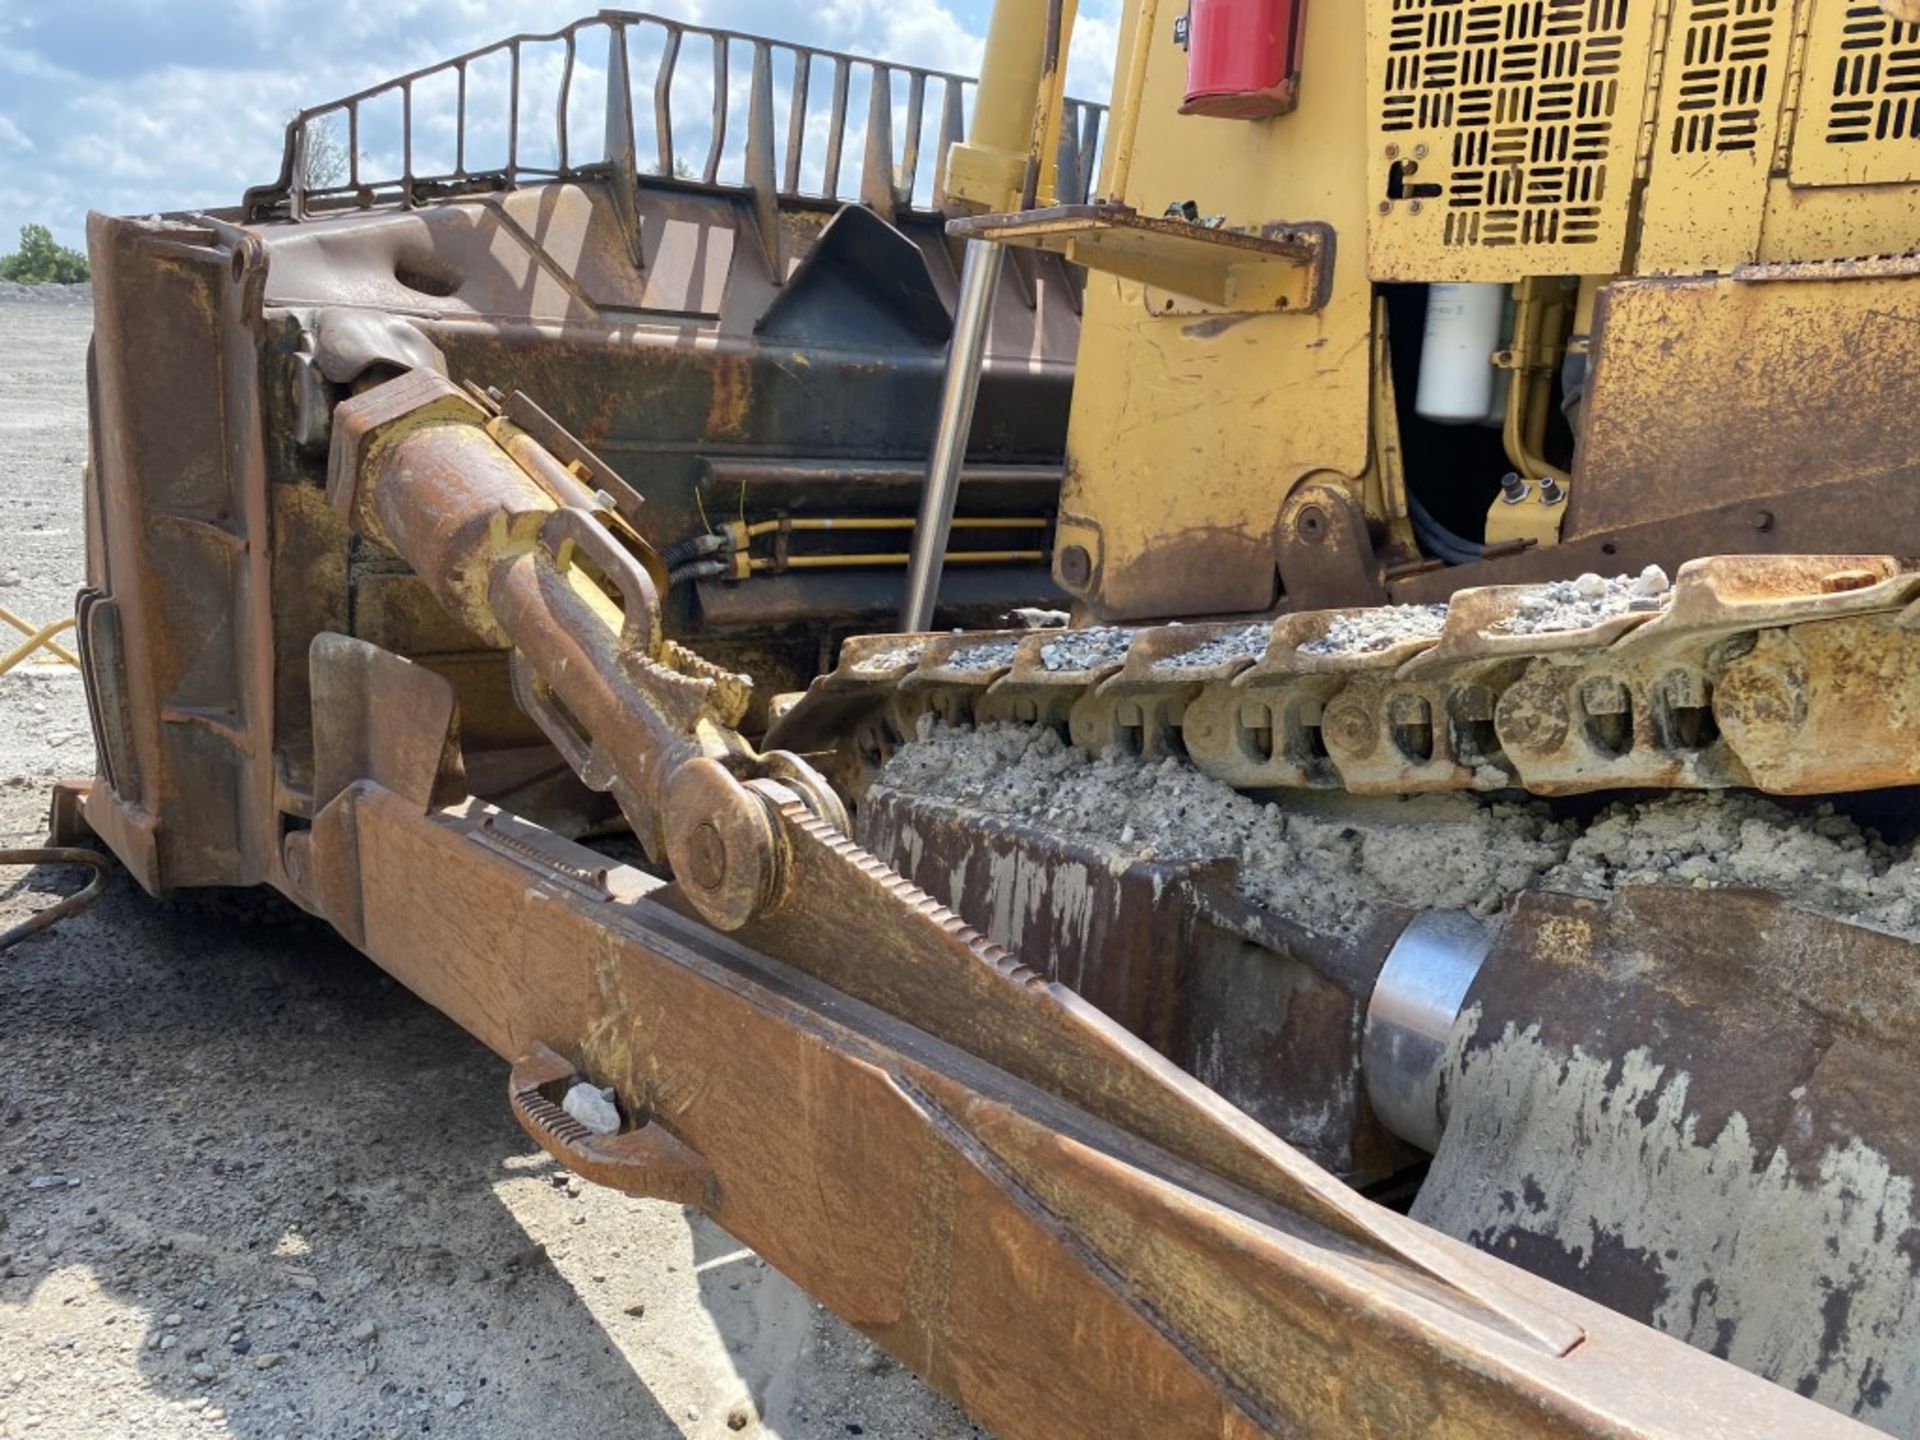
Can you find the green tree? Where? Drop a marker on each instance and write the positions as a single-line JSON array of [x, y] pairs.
[[40, 261]]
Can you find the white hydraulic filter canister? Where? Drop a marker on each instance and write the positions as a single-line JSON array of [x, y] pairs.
[[1464, 325]]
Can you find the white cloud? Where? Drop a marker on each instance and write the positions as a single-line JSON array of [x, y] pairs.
[[164, 104]]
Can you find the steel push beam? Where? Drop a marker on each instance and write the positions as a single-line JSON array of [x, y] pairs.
[[1052, 1273]]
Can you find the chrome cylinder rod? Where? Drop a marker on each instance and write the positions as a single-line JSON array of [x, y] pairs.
[[979, 283], [1410, 1018]]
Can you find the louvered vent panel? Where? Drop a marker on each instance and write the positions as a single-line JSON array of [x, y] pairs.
[[1723, 75], [1861, 98], [1723, 90], [1506, 132]]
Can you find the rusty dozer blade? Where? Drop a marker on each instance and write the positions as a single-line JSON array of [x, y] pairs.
[[953, 1152]]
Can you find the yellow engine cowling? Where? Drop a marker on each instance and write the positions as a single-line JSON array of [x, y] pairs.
[[1678, 196]]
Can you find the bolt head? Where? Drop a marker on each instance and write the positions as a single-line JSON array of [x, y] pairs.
[[1076, 566], [1349, 730], [1533, 719], [706, 858], [720, 842]]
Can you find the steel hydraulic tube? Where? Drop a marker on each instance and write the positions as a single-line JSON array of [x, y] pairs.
[[979, 283]]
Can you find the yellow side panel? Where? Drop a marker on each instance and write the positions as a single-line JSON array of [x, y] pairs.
[[1840, 222], [1721, 97], [1711, 391], [1188, 431], [1502, 135], [1860, 100]]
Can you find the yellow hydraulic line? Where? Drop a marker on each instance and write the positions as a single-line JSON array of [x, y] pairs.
[[1586, 306], [1539, 405], [962, 557], [1525, 357], [38, 638], [1040, 185], [735, 531], [1137, 37]]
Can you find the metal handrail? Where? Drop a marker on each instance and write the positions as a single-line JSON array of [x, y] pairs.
[[889, 184]]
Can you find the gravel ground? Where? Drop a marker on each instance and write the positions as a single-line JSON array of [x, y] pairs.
[[251, 1187]]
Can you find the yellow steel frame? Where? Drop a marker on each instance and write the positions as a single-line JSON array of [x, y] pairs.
[[1190, 428], [1189, 431]]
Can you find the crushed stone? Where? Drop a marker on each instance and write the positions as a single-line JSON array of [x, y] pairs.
[[593, 1107], [994, 655], [1379, 629], [81, 294], [1821, 860], [1325, 860], [1588, 600], [1323, 869], [1086, 649], [1247, 643], [880, 662]]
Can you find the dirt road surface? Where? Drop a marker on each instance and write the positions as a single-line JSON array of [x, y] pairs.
[[251, 1187]]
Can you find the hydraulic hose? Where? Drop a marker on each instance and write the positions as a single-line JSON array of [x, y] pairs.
[[696, 570], [1439, 541], [693, 547]]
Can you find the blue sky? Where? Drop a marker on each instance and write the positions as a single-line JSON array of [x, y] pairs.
[[133, 106]]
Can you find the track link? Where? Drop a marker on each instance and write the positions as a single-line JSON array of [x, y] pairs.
[[1785, 674]]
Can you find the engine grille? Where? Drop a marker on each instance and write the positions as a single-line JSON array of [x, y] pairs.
[[1722, 66], [1506, 134], [1860, 100], [1724, 86]]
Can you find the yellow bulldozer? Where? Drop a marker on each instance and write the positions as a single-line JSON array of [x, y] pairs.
[[1237, 762]]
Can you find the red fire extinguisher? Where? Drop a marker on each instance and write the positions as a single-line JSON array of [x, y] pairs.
[[1243, 57]]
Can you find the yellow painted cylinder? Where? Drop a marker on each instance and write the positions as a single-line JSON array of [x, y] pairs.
[[988, 171]]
